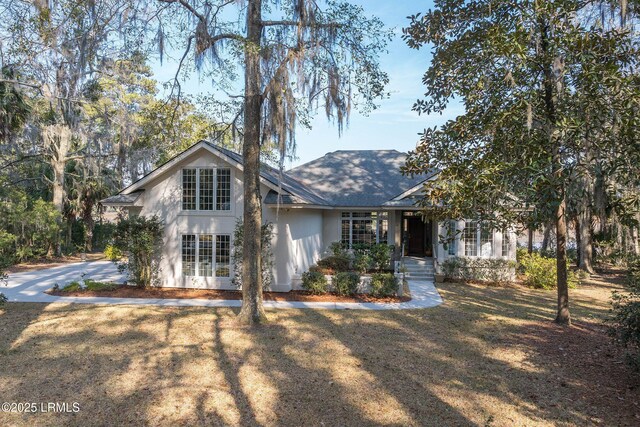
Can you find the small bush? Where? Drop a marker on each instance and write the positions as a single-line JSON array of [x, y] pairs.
[[3, 280], [72, 287], [383, 285], [112, 253], [338, 249], [337, 263], [542, 273], [346, 283], [92, 285], [362, 262], [315, 282], [625, 325], [7, 248], [381, 256]]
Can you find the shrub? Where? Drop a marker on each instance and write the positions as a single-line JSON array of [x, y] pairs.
[[72, 287], [381, 256], [3, 298], [92, 285], [346, 283], [541, 273], [338, 249], [266, 256], [362, 261], [112, 253], [3, 280], [625, 325], [383, 284], [314, 282], [336, 263], [141, 239], [7, 248], [493, 270]]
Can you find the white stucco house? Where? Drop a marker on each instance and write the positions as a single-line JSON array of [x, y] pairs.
[[348, 196]]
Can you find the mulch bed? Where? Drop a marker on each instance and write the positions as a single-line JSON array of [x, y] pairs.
[[124, 291]]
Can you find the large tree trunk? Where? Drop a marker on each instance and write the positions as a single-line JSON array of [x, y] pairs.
[[563, 316], [57, 139], [577, 228], [585, 245], [530, 239], [546, 239], [252, 311]]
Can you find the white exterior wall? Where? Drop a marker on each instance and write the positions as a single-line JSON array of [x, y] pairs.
[[297, 242]]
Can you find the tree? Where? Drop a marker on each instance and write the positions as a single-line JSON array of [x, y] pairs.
[[294, 54], [523, 70]]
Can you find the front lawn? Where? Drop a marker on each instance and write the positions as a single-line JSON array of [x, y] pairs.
[[487, 356]]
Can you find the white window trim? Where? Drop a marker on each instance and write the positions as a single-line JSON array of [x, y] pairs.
[[377, 220], [479, 242], [197, 210], [214, 264]]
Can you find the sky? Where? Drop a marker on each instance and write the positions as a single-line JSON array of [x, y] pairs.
[[393, 125]]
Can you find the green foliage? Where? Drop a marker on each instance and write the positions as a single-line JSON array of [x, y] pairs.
[[541, 273], [361, 261], [74, 286], [315, 282], [34, 225], [335, 263], [102, 235], [383, 284], [625, 325], [7, 248], [140, 238], [381, 256], [346, 283], [112, 253], [3, 280], [267, 254], [92, 285], [338, 249], [492, 270]]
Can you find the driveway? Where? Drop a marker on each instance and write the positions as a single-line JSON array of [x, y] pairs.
[[30, 287]]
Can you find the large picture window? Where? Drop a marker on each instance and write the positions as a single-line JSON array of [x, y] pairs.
[[206, 189], [365, 228], [200, 258], [505, 243]]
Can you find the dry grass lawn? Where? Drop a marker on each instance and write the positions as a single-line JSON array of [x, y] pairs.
[[488, 356]]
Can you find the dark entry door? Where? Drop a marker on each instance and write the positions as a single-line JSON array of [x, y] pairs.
[[416, 237]]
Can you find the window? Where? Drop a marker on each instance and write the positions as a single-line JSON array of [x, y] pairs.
[[451, 236], [201, 187], [223, 252], [189, 255], [205, 255], [505, 242], [223, 193], [471, 238], [199, 253], [364, 228], [189, 189], [486, 241], [205, 187]]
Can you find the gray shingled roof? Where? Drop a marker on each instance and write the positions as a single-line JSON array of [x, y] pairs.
[[356, 178], [122, 199]]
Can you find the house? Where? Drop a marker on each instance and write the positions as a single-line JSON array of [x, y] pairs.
[[347, 196]]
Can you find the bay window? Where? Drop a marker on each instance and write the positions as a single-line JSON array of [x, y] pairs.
[[478, 239]]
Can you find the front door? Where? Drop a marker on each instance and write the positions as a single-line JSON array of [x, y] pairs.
[[418, 236], [416, 233]]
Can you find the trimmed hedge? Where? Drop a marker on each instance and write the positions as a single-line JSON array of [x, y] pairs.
[[384, 285], [346, 283], [315, 282], [494, 270]]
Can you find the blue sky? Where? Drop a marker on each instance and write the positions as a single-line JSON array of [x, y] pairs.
[[393, 125]]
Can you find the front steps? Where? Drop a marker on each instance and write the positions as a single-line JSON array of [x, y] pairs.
[[419, 268]]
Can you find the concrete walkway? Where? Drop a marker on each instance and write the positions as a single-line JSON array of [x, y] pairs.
[[30, 287]]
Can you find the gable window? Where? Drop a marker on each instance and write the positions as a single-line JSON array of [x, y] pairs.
[[364, 228], [206, 189], [200, 258]]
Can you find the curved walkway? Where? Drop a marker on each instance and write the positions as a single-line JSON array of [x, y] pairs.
[[30, 286]]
